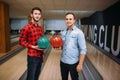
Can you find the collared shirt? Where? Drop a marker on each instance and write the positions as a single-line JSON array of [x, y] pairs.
[[29, 36], [73, 45]]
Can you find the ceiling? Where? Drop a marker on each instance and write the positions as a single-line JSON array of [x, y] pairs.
[[53, 9]]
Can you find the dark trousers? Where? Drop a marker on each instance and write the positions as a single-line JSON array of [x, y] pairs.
[[66, 68], [33, 67]]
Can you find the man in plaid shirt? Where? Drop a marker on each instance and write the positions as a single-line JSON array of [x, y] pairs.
[[28, 38]]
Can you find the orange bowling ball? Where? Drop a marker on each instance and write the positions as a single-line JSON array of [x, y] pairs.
[[56, 41]]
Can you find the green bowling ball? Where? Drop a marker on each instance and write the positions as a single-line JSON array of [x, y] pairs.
[[43, 42]]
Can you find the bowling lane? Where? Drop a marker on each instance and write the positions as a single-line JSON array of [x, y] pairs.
[[51, 69], [14, 67], [14, 40]]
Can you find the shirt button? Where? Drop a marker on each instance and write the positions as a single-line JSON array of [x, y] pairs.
[[65, 53]]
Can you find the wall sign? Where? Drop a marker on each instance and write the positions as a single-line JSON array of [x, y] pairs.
[[107, 38]]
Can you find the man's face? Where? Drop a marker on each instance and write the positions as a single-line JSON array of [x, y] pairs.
[[69, 19], [36, 15]]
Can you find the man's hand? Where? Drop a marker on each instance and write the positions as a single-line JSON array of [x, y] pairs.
[[57, 48], [37, 48], [79, 67]]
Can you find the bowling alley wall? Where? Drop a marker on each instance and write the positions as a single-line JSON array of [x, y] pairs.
[[102, 32]]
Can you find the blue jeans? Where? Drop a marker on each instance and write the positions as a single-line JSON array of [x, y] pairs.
[[33, 67], [66, 68]]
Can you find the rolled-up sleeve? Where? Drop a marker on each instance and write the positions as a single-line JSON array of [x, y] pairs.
[[82, 43]]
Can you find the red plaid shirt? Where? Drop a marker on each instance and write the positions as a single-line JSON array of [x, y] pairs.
[[29, 36]]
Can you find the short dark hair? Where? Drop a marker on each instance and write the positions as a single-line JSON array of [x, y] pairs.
[[71, 13], [36, 8]]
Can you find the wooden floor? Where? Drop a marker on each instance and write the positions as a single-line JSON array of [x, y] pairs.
[[14, 67], [51, 69]]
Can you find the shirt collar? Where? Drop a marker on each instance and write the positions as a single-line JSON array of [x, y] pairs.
[[72, 28], [32, 23]]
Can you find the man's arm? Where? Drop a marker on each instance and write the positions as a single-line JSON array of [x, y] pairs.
[[81, 61], [83, 50], [23, 38]]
